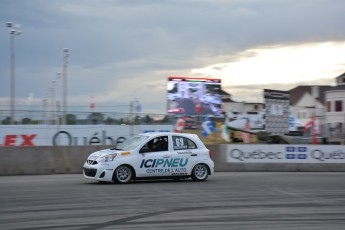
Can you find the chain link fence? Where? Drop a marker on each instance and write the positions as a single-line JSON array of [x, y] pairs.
[[193, 124], [75, 117]]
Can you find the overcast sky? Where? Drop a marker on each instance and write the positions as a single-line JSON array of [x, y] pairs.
[[122, 50]]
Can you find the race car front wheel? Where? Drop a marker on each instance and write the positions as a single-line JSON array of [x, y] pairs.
[[200, 172], [123, 174]]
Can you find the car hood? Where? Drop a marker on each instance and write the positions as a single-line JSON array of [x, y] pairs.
[[104, 152]]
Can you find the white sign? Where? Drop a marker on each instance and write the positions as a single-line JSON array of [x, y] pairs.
[[277, 110], [285, 154], [256, 120], [50, 135]]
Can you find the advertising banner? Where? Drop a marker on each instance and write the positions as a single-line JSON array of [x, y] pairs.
[[285, 154], [277, 111], [52, 135]]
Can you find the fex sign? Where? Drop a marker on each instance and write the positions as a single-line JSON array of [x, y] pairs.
[[19, 140]]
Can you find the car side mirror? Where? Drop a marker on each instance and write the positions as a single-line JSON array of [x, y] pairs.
[[144, 150]]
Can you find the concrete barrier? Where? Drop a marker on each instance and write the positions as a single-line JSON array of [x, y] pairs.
[[70, 159], [44, 159]]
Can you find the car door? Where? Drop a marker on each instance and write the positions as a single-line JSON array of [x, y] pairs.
[[154, 158], [185, 153]]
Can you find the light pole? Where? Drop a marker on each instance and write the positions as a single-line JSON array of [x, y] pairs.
[[52, 102], [57, 102], [13, 33], [64, 85], [45, 110], [131, 117]]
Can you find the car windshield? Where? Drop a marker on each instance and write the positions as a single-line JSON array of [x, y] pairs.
[[131, 143]]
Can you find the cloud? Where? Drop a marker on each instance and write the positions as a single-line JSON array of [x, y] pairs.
[[254, 92], [280, 63], [124, 48]]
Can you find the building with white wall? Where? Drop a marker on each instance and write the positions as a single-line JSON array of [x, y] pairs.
[[307, 101], [335, 108], [230, 105]]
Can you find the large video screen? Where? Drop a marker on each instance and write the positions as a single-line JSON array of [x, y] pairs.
[[194, 96]]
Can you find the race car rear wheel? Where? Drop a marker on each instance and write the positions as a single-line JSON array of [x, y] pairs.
[[200, 172], [123, 174]]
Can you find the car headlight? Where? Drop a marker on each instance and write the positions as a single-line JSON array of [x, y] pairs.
[[109, 158]]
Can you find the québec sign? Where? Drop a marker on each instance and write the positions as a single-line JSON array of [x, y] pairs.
[[50, 135], [285, 154]]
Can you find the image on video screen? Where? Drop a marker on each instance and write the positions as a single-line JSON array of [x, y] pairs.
[[194, 96]]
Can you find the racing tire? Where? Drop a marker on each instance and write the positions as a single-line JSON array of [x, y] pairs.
[[199, 172], [123, 174]]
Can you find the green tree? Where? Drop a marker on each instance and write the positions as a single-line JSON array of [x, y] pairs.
[[148, 119], [26, 121], [109, 121], [7, 121], [137, 119], [122, 121], [71, 119], [95, 118], [166, 119]]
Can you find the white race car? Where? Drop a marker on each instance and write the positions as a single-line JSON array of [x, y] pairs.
[[151, 156]]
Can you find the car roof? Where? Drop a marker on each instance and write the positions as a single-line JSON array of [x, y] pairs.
[[152, 134]]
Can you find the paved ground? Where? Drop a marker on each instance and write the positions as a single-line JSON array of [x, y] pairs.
[[312, 201]]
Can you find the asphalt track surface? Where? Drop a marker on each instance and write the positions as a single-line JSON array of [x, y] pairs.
[[226, 201]]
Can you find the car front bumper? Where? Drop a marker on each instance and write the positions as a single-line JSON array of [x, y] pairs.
[[99, 172]]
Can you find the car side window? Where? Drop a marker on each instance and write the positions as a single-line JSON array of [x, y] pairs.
[[182, 143], [157, 144]]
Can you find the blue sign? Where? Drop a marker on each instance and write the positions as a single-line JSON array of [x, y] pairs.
[[302, 156], [302, 149], [290, 149], [294, 152], [290, 156]]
